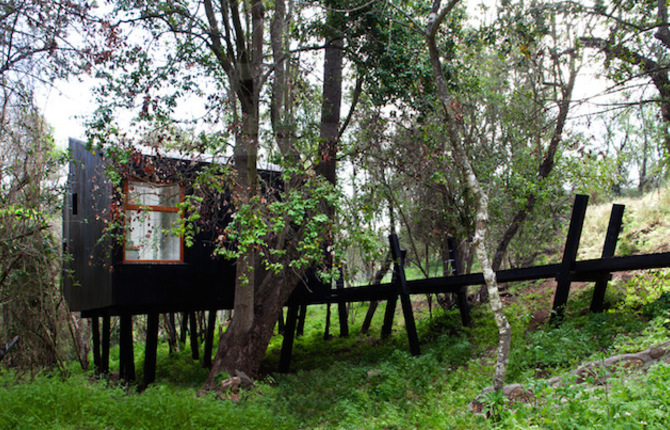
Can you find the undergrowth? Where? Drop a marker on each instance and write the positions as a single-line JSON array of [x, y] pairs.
[[364, 382]]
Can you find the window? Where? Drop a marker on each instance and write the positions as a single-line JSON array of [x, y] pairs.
[[151, 214]]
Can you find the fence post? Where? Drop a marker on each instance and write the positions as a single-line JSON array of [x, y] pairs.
[[342, 307], [403, 292], [569, 257], [613, 230]]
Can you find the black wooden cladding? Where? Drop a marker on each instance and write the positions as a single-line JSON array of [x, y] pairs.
[[87, 280], [96, 279]]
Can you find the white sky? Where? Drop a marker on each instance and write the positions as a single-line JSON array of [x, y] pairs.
[[67, 105]]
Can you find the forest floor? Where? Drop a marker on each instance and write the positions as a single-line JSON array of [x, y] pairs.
[[365, 382]]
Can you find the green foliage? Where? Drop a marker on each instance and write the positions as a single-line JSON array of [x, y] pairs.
[[364, 382], [267, 223], [30, 199]]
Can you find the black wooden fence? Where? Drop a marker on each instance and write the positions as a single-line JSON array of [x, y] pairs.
[[567, 271]]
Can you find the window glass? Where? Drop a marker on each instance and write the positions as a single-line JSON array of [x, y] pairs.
[[151, 214], [144, 194]]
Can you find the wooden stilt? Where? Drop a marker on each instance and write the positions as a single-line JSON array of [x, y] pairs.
[[171, 328], [613, 230], [209, 339], [106, 332], [569, 257], [280, 323], [184, 327], [375, 303], [150, 349], [403, 292], [127, 357], [289, 334], [95, 334], [193, 325], [301, 321], [326, 330], [389, 313]]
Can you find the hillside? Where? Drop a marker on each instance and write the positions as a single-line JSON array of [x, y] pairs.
[[363, 382]]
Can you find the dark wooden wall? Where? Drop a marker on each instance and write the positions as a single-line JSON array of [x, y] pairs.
[[87, 281], [96, 280]]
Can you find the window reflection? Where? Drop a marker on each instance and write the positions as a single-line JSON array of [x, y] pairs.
[[151, 216]]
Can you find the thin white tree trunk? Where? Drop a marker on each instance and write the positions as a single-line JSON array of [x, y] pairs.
[[453, 118]]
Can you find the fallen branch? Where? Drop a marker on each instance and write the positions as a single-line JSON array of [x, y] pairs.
[[597, 372]]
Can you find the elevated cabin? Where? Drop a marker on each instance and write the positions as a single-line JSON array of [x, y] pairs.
[[153, 270], [139, 265]]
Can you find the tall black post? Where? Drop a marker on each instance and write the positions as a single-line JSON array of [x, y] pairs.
[[193, 325], [95, 334], [302, 316], [209, 339], [280, 323], [127, 356], [403, 292], [150, 348], [389, 313], [613, 230], [569, 257], [289, 334], [184, 327], [106, 332]]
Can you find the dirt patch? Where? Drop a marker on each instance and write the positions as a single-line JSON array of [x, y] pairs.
[[538, 319]]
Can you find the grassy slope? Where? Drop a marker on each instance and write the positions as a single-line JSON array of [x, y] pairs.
[[363, 382]]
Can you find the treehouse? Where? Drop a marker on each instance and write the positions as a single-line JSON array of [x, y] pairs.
[[124, 255]]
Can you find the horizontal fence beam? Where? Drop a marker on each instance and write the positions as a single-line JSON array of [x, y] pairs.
[[585, 271]]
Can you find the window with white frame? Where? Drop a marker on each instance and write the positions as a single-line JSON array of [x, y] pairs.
[[151, 217]]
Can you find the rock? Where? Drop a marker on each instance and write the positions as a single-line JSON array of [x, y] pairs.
[[245, 380], [231, 384], [518, 394]]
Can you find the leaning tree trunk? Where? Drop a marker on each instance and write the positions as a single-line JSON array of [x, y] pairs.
[[481, 222]]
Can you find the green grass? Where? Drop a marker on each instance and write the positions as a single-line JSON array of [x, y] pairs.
[[363, 382]]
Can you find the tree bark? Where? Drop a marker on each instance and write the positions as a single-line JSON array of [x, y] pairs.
[[244, 70]]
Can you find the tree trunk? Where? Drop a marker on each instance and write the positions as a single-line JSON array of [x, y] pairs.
[[237, 348], [329, 135]]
